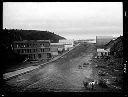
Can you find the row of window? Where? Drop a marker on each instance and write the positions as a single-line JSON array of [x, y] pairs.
[[44, 55], [33, 50], [26, 50], [39, 56], [32, 56], [44, 49], [26, 45], [103, 53]]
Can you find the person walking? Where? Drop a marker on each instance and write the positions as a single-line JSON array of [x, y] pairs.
[[92, 85], [85, 84]]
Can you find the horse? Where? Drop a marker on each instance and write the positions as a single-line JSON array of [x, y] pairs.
[[92, 84], [80, 67]]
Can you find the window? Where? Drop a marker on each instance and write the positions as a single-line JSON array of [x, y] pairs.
[[46, 44], [18, 51], [27, 45], [21, 45], [24, 45], [30, 56], [32, 50], [46, 49], [17, 45], [33, 45], [24, 50], [30, 45], [34, 56], [39, 55], [41, 50], [48, 55]]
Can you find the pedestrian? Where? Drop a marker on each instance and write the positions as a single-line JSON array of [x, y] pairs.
[[92, 85], [85, 84]]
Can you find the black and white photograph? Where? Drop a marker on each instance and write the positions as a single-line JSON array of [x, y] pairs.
[[62, 47]]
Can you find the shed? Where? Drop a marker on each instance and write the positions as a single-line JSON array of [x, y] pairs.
[[102, 52]]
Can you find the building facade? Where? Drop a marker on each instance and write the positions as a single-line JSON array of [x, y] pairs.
[[35, 50], [56, 49], [102, 52], [68, 44]]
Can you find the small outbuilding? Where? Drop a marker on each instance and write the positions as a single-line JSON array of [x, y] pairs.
[[56, 49], [103, 52]]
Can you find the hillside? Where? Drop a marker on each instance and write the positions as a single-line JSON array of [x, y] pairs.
[[116, 47], [32, 35]]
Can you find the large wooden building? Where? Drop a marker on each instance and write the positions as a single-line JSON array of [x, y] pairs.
[[35, 50]]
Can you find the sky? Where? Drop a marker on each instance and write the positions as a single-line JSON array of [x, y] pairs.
[[72, 20]]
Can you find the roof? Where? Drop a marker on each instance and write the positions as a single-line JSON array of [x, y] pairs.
[[101, 50], [56, 44], [65, 41]]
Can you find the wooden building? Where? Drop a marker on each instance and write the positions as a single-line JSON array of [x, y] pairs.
[[38, 50], [68, 44], [56, 49], [102, 52]]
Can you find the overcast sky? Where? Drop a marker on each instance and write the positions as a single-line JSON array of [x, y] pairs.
[[72, 20]]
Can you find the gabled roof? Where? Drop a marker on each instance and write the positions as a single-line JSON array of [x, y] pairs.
[[56, 44], [101, 50]]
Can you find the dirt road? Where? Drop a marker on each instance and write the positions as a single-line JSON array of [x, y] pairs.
[[63, 74]]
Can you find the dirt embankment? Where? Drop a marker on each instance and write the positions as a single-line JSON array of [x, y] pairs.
[[110, 71]]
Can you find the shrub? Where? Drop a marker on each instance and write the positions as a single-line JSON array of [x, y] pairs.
[[102, 84]]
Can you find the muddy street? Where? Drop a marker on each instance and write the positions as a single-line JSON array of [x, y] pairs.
[[63, 74]]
